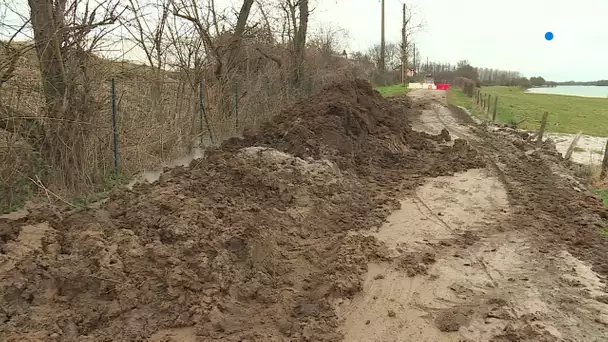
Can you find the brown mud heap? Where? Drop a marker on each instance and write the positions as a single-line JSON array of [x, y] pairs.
[[249, 243], [351, 124]]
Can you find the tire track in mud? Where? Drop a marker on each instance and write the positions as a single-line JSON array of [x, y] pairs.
[[528, 284], [523, 184], [496, 147], [515, 162], [476, 143], [475, 259]]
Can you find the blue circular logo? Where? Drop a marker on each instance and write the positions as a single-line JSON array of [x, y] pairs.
[[549, 35]]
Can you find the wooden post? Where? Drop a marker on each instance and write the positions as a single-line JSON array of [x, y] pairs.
[[495, 106], [488, 104], [414, 58], [604, 162], [487, 107], [382, 44], [541, 131], [573, 145]]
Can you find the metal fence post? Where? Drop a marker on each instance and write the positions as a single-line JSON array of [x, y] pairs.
[[114, 125]]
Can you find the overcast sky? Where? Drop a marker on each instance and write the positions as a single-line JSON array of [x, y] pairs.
[[502, 34]]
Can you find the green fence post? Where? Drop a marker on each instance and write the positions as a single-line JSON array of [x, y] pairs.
[[115, 125]]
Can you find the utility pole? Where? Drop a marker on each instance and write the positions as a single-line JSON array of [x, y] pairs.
[[403, 48], [382, 46], [414, 67]]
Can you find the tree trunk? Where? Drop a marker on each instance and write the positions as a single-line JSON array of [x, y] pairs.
[[63, 137], [234, 48], [47, 23], [300, 43]]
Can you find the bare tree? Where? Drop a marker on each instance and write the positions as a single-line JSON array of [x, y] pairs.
[[186, 52], [329, 40], [297, 12], [147, 31], [65, 35], [412, 24], [227, 54], [392, 55]]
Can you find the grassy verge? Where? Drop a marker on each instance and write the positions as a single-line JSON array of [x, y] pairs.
[[567, 114], [603, 194], [457, 97], [393, 90]]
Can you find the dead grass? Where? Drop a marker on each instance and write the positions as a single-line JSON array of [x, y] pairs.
[[590, 173]]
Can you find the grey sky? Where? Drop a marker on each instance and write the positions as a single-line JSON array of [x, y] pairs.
[[503, 34], [490, 33]]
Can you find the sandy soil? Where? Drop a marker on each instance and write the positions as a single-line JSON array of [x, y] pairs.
[[347, 217]]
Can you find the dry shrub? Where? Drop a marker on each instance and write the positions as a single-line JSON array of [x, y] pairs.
[[590, 173], [468, 86]]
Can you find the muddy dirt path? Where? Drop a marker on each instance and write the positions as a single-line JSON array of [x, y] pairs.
[[291, 234], [463, 267], [251, 242]]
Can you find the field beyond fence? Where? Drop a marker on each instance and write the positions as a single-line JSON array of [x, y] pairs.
[[513, 105]]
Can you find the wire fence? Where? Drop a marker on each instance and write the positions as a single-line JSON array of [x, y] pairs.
[[141, 126], [140, 120], [151, 124]]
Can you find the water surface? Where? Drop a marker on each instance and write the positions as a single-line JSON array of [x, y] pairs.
[[586, 91]]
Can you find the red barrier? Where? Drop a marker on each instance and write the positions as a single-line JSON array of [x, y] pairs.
[[443, 86]]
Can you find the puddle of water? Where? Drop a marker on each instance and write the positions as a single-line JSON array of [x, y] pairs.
[[153, 176], [589, 148]]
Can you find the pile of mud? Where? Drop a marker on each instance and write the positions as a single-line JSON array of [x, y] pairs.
[[240, 246], [247, 244], [353, 125]]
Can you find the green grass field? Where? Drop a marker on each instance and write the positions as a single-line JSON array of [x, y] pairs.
[[392, 90], [567, 114]]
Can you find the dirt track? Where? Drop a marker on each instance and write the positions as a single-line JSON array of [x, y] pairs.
[[517, 276], [280, 237]]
